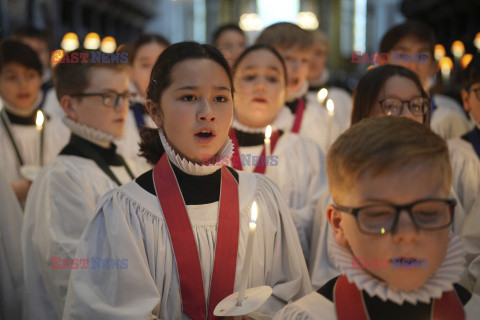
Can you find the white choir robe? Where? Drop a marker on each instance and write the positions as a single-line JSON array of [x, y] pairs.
[[321, 265], [342, 101], [59, 206], [129, 224], [316, 122], [449, 120], [11, 265], [28, 142], [315, 306], [300, 175]]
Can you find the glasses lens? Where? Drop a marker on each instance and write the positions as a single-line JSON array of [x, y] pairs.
[[392, 107], [418, 106], [432, 214], [376, 219], [109, 99]]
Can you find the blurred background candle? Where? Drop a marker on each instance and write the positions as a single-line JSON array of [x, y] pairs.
[[248, 254], [322, 95], [331, 113], [446, 65]]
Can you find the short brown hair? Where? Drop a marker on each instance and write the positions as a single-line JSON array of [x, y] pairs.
[[382, 145], [286, 35], [74, 77]]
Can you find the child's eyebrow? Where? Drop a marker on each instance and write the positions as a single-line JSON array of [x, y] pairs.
[[257, 67], [196, 88]]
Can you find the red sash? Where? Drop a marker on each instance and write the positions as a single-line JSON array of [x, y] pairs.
[[184, 246], [349, 303], [298, 115], [261, 164]]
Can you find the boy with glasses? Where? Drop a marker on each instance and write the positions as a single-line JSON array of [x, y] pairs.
[[390, 190], [62, 199], [471, 101]]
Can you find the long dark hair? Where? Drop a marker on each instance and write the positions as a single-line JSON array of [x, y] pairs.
[[369, 86], [161, 78], [257, 47]]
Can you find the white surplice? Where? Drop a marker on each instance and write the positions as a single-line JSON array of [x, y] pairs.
[[299, 172], [59, 206], [11, 266], [129, 224], [448, 119]]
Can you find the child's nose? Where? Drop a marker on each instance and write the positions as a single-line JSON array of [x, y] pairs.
[[405, 231], [205, 111]]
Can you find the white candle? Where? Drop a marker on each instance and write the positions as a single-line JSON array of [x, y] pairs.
[[331, 113], [322, 95], [248, 254], [267, 141], [39, 125]]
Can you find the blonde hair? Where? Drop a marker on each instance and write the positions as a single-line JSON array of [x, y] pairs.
[[382, 145], [286, 35]]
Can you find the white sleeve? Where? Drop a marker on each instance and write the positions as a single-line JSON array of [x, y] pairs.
[[126, 291], [311, 307]]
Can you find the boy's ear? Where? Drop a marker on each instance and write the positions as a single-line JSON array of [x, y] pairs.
[[334, 217], [69, 107], [155, 112], [466, 104]]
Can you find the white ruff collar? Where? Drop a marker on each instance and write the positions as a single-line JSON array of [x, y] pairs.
[[23, 112], [89, 133], [223, 158], [442, 280], [300, 93], [322, 79], [283, 122], [135, 96]]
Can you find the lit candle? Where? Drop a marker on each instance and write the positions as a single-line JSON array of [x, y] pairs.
[[331, 113], [439, 52], [466, 59], [476, 41], [458, 49], [267, 142], [322, 95], [248, 254], [39, 124], [446, 66]]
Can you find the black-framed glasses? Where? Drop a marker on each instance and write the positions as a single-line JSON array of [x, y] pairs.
[[477, 92], [394, 107], [427, 214], [109, 99]]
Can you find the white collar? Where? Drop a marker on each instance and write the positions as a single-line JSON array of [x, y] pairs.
[[300, 92], [93, 135], [476, 123], [223, 156], [442, 280], [283, 122], [135, 96], [324, 76], [23, 112]]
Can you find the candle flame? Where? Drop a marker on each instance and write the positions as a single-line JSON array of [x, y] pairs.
[[330, 107], [439, 52], [458, 48], [446, 64], [476, 41], [69, 42], [322, 94], [253, 218], [39, 120], [108, 45], [268, 132], [466, 59], [56, 57], [92, 41]]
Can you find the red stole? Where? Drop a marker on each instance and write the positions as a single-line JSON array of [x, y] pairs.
[[349, 303], [262, 162], [298, 115], [184, 246]]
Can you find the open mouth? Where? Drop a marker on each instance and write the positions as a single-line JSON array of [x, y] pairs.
[[205, 134]]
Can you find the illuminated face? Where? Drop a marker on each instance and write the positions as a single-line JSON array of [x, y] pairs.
[[89, 110], [142, 66], [471, 101], [260, 88], [424, 70], [401, 88], [400, 186], [19, 85], [196, 110], [297, 62], [231, 43]]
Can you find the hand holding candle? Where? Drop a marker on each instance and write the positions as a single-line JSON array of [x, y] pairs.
[[248, 254], [267, 141]]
